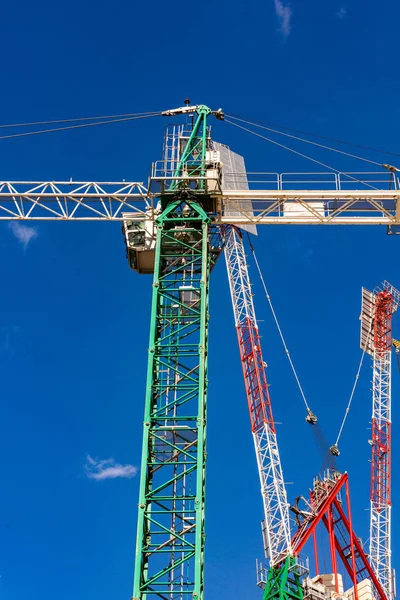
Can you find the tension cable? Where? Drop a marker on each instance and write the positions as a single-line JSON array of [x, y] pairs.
[[311, 417]]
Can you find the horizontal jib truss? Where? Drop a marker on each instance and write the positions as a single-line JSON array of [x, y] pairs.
[[271, 205]]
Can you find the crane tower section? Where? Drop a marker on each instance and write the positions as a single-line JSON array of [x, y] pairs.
[[376, 339], [276, 527], [181, 249]]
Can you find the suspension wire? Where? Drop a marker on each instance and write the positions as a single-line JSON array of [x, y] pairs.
[[76, 120], [280, 145], [26, 133], [278, 326], [352, 394], [294, 137], [299, 153], [319, 437], [322, 137]]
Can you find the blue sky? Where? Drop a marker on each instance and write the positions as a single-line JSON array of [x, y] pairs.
[[74, 318]]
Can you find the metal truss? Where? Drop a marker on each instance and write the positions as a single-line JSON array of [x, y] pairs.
[[329, 507], [300, 199], [380, 514], [393, 292], [68, 200], [347, 545], [170, 532], [319, 207], [380, 542], [276, 509]]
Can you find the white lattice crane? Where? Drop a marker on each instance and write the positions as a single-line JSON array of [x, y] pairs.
[[277, 535]]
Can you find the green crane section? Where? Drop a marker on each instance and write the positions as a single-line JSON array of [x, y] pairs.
[[169, 561], [193, 158], [284, 582]]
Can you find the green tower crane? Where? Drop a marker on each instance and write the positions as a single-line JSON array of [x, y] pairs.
[[170, 532]]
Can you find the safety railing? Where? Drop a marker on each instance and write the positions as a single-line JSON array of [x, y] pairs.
[[358, 180], [196, 175], [260, 180]]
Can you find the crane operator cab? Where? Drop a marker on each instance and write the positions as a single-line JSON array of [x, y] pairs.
[[140, 240]]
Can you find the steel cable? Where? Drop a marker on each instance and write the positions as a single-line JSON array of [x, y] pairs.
[[318, 162], [278, 326], [28, 133], [294, 137], [318, 434], [76, 120], [351, 395], [322, 137]]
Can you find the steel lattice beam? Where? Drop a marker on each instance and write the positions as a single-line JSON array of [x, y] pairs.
[[98, 201], [170, 534], [67, 200], [327, 506], [276, 509], [380, 516]]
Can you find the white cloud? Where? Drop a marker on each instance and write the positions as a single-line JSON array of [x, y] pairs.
[[23, 233], [284, 14], [107, 469], [341, 13]]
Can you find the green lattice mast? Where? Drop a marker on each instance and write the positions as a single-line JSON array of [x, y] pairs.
[[169, 560]]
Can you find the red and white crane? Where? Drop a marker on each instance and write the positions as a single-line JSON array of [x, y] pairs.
[[276, 528], [376, 339]]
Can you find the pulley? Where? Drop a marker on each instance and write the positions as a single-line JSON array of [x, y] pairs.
[[311, 418], [396, 346], [334, 450]]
